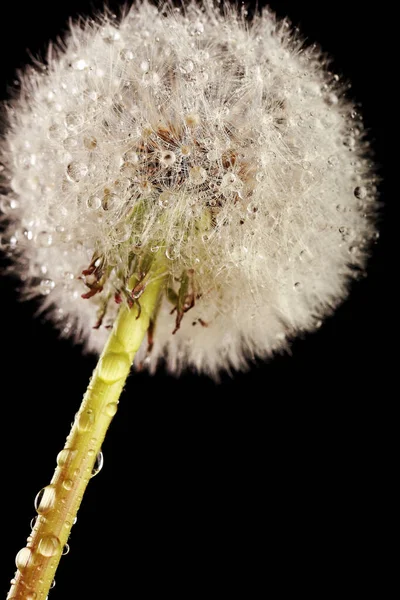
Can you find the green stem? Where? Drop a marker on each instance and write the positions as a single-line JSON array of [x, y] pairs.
[[58, 503]]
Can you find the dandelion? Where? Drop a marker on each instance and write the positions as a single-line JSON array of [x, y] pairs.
[[184, 175]]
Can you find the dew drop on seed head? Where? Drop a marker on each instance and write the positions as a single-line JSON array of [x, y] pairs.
[[185, 150], [44, 239], [122, 233], [45, 499], [45, 286], [164, 199], [48, 545], [186, 67], [73, 121], [131, 157], [7, 205], [167, 158], [126, 55], [197, 175], [360, 192], [98, 465], [56, 132], [93, 202], [171, 253], [196, 28], [228, 180], [70, 143], [90, 142], [297, 286], [80, 64], [260, 176], [77, 171], [332, 161], [110, 201]]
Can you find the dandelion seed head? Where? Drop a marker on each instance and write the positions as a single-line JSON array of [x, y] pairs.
[[223, 145]]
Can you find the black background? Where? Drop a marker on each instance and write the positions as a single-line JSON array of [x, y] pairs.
[[202, 478]]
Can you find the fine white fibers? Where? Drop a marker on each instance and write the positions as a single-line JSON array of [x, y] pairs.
[[222, 146]]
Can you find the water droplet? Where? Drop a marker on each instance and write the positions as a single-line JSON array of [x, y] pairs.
[[45, 499], [85, 420], [28, 234], [333, 161], [332, 99], [110, 201], [129, 169], [196, 28], [122, 233], [65, 457], [164, 199], [111, 408], [65, 550], [197, 175], [110, 34], [93, 202], [68, 484], [53, 583], [90, 142], [131, 157], [167, 158], [360, 192], [154, 249], [7, 205], [75, 520], [228, 180], [114, 366], [73, 121], [171, 253], [70, 143], [297, 286], [77, 171], [192, 120], [45, 286], [126, 54], [145, 66], [80, 64], [56, 132], [44, 239], [24, 559], [187, 67], [48, 545], [252, 208], [33, 522], [31, 596], [98, 465]]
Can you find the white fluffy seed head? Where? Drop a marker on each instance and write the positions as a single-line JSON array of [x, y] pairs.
[[224, 146]]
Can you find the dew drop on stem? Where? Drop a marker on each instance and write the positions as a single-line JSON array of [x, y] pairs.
[[98, 465]]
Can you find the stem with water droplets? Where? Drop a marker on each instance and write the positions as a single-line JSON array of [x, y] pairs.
[[58, 503]]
